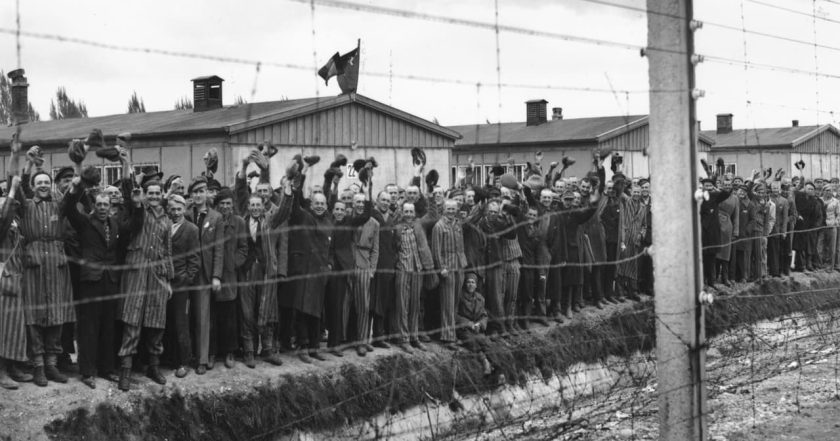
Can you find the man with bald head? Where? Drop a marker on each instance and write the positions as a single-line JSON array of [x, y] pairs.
[[413, 258], [366, 257], [382, 301]]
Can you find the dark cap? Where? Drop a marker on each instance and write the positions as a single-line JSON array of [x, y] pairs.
[[197, 183], [65, 172]]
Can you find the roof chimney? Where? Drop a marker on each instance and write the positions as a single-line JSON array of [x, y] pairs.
[[535, 112], [556, 113], [207, 93], [794, 123], [20, 97], [724, 123]]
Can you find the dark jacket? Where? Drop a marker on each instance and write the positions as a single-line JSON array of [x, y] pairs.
[[91, 234], [212, 240], [235, 233], [185, 257]]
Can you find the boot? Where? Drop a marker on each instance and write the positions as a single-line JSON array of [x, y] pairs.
[[273, 358], [39, 377], [52, 373], [125, 379], [249, 360], [154, 374]]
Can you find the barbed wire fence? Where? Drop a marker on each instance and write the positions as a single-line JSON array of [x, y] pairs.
[[584, 379]]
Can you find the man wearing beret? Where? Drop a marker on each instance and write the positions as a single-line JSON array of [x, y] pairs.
[[209, 281]]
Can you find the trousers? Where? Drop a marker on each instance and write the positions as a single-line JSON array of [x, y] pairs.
[[95, 327], [43, 340], [450, 287], [407, 314], [131, 340]]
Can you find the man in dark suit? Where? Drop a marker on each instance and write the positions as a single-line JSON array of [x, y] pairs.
[[209, 281], [185, 260], [98, 234], [383, 292]]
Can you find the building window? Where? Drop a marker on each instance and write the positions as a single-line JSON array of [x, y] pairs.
[[138, 168], [111, 174], [461, 170], [731, 169]]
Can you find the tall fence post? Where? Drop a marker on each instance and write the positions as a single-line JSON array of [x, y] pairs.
[[676, 229]]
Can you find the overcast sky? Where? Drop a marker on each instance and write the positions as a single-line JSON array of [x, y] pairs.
[[281, 31]]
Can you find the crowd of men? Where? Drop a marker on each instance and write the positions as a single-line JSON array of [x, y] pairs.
[[767, 225], [184, 271]]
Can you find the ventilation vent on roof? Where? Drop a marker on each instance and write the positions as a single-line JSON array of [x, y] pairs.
[[535, 112], [794, 123], [207, 93], [556, 113]]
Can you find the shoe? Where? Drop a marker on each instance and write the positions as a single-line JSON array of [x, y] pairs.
[[89, 382], [634, 297], [335, 352], [153, 372], [369, 347], [405, 348], [418, 345], [304, 357], [558, 318], [451, 346], [125, 379], [229, 360], [249, 360], [18, 375], [211, 362], [53, 374], [201, 369], [575, 308], [317, 356], [181, 372], [6, 382], [425, 338], [599, 304], [112, 377], [361, 350], [274, 359], [381, 344], [612, 300]]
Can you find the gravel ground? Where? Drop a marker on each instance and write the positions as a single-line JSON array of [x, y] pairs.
[[775, 381]]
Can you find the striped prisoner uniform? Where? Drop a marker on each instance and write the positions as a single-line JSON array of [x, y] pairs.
[[448, 254], [413, 257]]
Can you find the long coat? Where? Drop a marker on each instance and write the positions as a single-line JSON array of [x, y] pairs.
[[268, 229], [47, 289], [12, 322], [145, 282], [728, 212], [236, 250], [383, 292], [710, 221], [309, 258], [563, 245]]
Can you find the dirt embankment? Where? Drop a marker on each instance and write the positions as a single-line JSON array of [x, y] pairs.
[[269, 402]]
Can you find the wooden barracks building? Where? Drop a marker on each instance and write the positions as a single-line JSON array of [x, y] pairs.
[[577, 138], [175, 141], [744, 150]]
